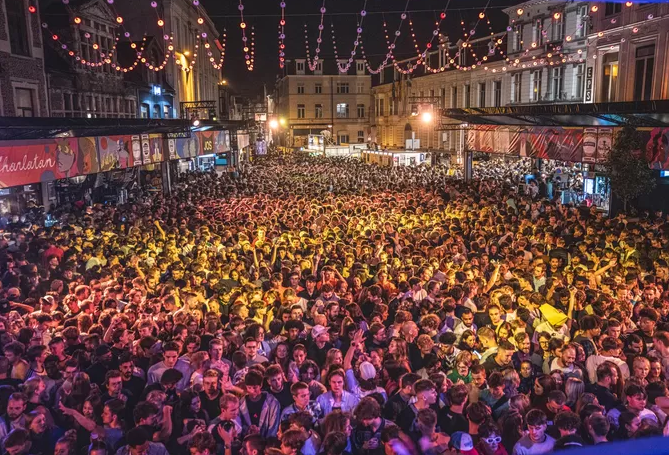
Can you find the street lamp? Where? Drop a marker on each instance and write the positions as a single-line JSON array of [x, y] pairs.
[[282, 121], [426, 117], [274, 124]]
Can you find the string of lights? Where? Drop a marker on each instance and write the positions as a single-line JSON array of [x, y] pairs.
[[245, 48], [282, 35], [313, 63]]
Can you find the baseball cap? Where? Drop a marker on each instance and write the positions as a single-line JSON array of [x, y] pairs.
[[317, 331], [463, 442], [367, 371]]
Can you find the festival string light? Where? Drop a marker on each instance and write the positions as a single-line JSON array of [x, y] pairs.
[[346, 66], [217, 65], [313, 63], [282, 35], [245, 39]]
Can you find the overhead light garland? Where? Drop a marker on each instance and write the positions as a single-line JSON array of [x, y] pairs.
[[314, 63], [245, 45], [343, 68], [282, 35]]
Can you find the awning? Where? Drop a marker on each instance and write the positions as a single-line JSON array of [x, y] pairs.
[[24, 128], [648, 114]]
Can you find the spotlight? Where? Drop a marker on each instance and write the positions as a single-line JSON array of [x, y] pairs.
[[196, 122]]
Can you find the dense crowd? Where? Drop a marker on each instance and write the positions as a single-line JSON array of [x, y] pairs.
[[322, 306]]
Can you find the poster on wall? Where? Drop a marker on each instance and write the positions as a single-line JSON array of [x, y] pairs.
[[146, 149], [187, 147], [604, 143], [87, 162], [25, 162], [113, 152], [557, 143], [657, 147], [136, 151], [156, 142], [207, 142], [172, 149]]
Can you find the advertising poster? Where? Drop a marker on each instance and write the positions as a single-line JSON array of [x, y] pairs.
[[172, 149], [25, 162], [187, 147], [589, 145], [146, 149], [156, 143], [557, 143], [657, 147], [113, 152], [87, 160], [207, 142], [136, 151], [604, 142]]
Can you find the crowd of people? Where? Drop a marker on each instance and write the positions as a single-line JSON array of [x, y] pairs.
[[325, 306]]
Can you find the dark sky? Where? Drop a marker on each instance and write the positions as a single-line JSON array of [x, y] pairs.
[[264, 15]]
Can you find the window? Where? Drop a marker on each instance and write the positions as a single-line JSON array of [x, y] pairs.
[[144, 111], [557, 28], [300, 88], [166, 111], [535, 84], [612, 8], [537, 26], [454, 97], [497, 92], [319, 68], [467, 95], [643, 72], [360, 67], [300, 67], [382, 110], [442, 94], [24, 99], [361, 111], [318, 88], [360, 87], [481, 94], [342, 87], [318, 110], [301, 111], [581, 21], [342, 138], [156, 111], [579, 81], [17, 18], [557, 83], [516, 88], [342, 110], [610, 80], [361, 136]]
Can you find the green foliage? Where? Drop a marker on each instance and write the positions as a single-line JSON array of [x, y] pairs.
[[628, 168]]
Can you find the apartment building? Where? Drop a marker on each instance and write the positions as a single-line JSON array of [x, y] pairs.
[[22, 79], [311, 101]]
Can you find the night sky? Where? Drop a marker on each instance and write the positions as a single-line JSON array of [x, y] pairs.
[[265, 15]]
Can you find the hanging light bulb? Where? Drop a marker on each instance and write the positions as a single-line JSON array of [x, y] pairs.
[[77, 20], [481, 15], [556, 16], [200, 20], [520, 11], [119, 20], [161, 22]]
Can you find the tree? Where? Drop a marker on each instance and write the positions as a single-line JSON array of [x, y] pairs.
[[628, 168]]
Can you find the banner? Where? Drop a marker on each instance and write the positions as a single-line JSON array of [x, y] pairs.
[[87, 163], [556, 143], [25, 162], [33, 161], [113, 152], [657, 147]]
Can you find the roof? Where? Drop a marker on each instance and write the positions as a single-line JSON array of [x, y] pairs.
[[17, 128], [650, 114]]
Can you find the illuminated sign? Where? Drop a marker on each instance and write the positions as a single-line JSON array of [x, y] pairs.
[[157, 90]]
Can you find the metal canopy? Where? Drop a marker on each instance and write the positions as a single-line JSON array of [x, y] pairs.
[[26, 128], [649, 114]]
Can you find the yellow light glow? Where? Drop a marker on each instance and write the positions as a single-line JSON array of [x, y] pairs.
[[426, 117]]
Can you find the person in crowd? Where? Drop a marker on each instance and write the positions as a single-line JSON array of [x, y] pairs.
[[325, 305]]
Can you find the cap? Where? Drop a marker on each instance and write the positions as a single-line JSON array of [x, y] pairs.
[[317, 331], [367, 371], [47, 299], [463, 442]]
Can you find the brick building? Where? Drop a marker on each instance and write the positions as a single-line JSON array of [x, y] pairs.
[[22, 80]]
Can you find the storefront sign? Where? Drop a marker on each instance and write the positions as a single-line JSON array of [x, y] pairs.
[[588, 84], [24, 162]]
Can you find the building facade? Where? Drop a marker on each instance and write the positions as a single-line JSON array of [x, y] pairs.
[[628, 52], [309, 102], [22, 79], [190, 72], [77, 89]]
